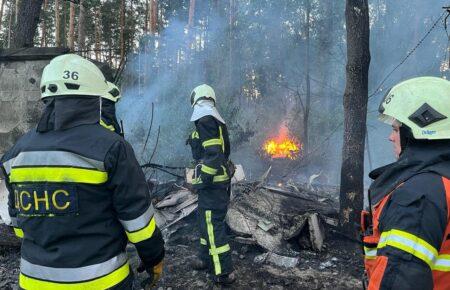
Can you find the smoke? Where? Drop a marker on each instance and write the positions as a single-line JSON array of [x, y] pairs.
[[258, 65], [397, 29]]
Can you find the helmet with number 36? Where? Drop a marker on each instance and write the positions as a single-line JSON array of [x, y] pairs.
[[71, 74]]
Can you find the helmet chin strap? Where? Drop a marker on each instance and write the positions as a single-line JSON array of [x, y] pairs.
[[406, 137], [101, 104]]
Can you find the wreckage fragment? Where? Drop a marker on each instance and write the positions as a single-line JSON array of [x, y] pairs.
[[275, 217], [316, 232], [175, 207], [173, 199], [277, 260]]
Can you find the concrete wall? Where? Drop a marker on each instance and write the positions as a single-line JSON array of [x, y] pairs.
[[20, 106], [19, 99]]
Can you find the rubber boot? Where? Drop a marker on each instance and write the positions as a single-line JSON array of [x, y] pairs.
[[226, 279]]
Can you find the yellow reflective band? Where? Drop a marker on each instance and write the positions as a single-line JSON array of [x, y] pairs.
[[442, 263], [203, 242], [195, 135], [221, 178], [18, 232], [109, 127], [104, 282], [221, 139], [212, 142], [220, 250], [208, 170], [370, 253], [57, 174], [409, 243], [142, 234], [197, 181], [212, 244], [216, 178]]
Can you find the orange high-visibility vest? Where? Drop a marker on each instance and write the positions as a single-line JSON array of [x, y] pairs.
[[375, 265]]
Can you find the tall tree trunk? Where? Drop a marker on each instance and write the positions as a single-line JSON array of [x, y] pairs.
[[153, 16], [330, 29], [57, 25], [81, 27], [64, 23], [355, 114], [191, 13], [308, 79], [27, 23], [191, 39], [16, 11], [11, 9], [98, 34], [1, 13], [71, 36], [147, 12], [122, 30], [231, 65], [44, 25]]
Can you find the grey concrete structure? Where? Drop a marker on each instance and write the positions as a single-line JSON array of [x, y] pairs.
[[20, 107]]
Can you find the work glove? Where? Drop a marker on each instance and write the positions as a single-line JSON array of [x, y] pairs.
[[154, 273]]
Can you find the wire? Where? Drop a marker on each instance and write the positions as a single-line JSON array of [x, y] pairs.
[[447, 50], [408, 55], [156, 145], [154, 165], [149, 130], [161, 168], [339, 125]]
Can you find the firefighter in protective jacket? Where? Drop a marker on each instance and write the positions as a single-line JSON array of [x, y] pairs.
[[211, 150], [406, 230], [77, 195]]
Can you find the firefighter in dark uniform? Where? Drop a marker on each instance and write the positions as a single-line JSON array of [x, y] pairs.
[[77, 195], [211, 150], [406, 228]]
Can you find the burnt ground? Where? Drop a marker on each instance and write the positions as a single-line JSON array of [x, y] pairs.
[[338, 266]]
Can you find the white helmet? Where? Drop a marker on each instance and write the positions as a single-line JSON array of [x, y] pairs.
[[71, 74], [422, 104], [113, 93], [202, 92]]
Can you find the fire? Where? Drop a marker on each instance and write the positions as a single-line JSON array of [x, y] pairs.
[[283, 146]]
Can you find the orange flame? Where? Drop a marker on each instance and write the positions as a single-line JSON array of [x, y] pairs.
[[283, 145]]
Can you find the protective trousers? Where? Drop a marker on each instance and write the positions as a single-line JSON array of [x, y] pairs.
[[214, 242]]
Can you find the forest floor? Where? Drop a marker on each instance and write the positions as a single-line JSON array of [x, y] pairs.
[[338, 266]]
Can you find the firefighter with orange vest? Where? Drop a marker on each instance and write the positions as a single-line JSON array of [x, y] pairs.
[[406, 229]]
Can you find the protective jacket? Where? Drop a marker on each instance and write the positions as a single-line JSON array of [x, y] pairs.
[[77, 195], [210, 149], [406, 232]]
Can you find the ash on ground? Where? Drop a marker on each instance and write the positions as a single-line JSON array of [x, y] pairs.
[[338, 266], [289, 241]]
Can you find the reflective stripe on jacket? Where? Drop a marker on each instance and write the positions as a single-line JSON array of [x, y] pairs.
[[210, 144], [408, 244], [76, 197]]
